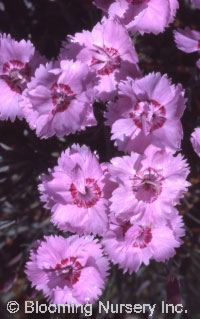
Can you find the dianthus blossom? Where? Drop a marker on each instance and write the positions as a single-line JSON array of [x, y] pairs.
[[148, 186], [195, 140], [108, 51], [131, 244], [144, 16], [18, 61], [68, 270], [187, 40], [76, 192], [148, 111], [59, 99]]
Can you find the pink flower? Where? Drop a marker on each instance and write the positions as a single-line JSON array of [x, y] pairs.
[[144, 16], [148, 186], [196, 3], [187, 40], [195, 140], [68, 270], [131, 244], [59, 101], [108, 51], [18, 61], [76, 192], [148, 111]]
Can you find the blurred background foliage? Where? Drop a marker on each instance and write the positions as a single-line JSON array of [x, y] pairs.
[[23, 157]]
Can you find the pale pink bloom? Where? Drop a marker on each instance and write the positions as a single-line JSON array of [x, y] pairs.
[[131, 244], [108, 51], [187, 40], [148, 111], [59, 99], [18, 61], [68, 270], [196, 3], [76, 192], [195, 140], [144, 16], [148, 185]]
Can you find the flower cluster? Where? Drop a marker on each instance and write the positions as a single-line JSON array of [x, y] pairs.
[[142, 209], [142, 192], [130, 202]]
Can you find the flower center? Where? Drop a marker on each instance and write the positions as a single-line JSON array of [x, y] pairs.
[[147, 185], [16, 74], [61, 95], [106, 60], [138, 236], [87, 198], [148, 116], [68, 270]]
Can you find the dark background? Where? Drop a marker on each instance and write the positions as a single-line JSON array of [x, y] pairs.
[[23, 157]]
